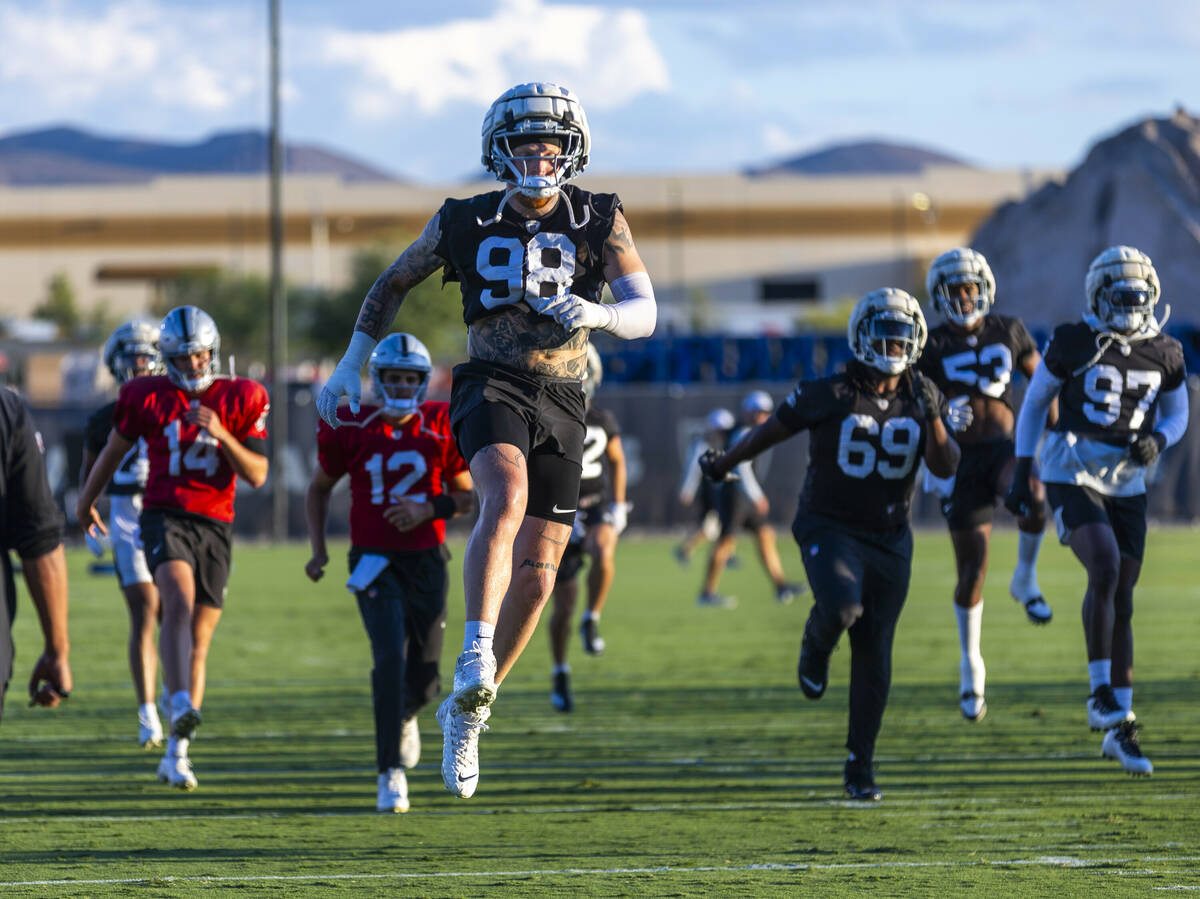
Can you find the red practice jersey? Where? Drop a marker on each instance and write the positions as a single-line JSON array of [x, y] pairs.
[[386, 463], [188, 471]]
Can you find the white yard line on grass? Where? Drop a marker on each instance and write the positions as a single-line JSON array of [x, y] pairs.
[[1049, 861]]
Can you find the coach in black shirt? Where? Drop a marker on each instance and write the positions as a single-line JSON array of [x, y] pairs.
[[31, 524]]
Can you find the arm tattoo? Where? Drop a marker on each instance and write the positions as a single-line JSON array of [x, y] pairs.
[[544, 566], [619, 241], [516, 337], [412, 267]]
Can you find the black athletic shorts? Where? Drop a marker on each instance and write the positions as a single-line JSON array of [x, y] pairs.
[[541, 416], [204, 543], [1074, 506], [976, 484], [737, 512]]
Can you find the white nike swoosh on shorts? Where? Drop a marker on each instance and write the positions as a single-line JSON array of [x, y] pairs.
[[557, 511]]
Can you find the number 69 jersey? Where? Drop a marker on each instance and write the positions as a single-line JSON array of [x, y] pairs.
[[863, 453], [387, 463], [500, 263], [188, 470]]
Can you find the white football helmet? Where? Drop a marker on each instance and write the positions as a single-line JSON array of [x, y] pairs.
[[961, 265], [185, 330], [885, 316], [720, 420], [757, 401], [1122, 290], [402, 351], [128, 342], [593, 377], [538, 110]]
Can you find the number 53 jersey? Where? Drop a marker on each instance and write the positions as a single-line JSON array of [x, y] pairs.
[[188, 470], [863, 453], [387, 463]]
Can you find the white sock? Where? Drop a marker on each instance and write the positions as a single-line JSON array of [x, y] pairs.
[[1124, 697], [147, 712], [1099, 673], [478, 632], [972, 673], [564, 668], [591, 616], [180, 702], [177, 746], [1024, 584]]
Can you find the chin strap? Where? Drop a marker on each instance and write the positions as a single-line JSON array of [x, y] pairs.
[[575, 225]]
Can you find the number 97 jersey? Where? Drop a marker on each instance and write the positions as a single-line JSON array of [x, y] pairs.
[[188, 470], [387, 463]]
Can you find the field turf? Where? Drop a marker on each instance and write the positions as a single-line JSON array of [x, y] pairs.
[[692, 765]]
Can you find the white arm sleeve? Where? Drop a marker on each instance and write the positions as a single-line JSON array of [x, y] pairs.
[[691, 470], [1043, 388], [634, 313], [749, 483], [1172, 418]]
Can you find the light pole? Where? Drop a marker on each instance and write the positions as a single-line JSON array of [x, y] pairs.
[[277, 345]]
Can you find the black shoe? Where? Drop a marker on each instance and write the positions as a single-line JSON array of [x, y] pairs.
[[593, 643], [860, 782], [560, 692], [813, 669]]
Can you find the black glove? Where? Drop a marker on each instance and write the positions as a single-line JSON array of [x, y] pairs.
[[1019, 498], [707, 466], [927, 396], [1146, 449]]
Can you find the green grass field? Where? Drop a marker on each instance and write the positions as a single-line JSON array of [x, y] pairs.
[[692, 765]]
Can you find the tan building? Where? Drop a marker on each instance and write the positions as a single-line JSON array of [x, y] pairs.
[[725, 251]]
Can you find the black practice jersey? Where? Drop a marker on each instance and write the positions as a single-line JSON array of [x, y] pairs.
[[864, 449], [1116, 396], [594, 481], [130, 477], [980, 363], [502, 263]]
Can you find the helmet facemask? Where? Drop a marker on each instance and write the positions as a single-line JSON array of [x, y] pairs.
[[190, 380], [951, 303], [185, 331], [403, 399], [880, 331], [400, 352], [527, 172], [1126, 304], [135, 360]]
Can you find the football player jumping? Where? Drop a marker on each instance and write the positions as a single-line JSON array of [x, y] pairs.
[[202, 433], [869, 426], [130, 351], [531, 260], [971, 356], [406, 479], [1123, 399], [603, 514]]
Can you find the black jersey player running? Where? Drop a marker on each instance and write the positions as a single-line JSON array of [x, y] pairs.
[[1123, 399], [532, 261], [603, 514], [971, 356], [869, 426]]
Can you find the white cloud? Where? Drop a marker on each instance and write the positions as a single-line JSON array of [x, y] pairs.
[[606, 56]]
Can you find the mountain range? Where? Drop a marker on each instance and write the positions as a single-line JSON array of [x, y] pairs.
[[66, 155]]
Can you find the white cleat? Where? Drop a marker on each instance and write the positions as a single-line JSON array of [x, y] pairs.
[[393, 791], [1121, 744], [474, 679], [1103, 710], [177, 771], [973, 706], [410, 742], [150, 732], [1037, 610], [460, 746]]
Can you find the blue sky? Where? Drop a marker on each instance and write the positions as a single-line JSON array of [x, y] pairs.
[[672, 86]]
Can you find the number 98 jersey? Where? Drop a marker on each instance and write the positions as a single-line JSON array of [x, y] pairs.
[[502, 263], [863, 452], [1116, 395], [386, 464], [188, 470]]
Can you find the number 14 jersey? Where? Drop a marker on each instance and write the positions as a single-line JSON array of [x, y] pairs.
[[387, 463], [188, 470]]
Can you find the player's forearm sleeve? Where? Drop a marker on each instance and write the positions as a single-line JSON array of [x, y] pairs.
[[634, 313], [749, 483], [1043, 388], [1173, 414], [691, 470]]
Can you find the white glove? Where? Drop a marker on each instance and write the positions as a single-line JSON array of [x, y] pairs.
[[573, 312], [960, 415], [346, 379], [618, 516]]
